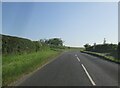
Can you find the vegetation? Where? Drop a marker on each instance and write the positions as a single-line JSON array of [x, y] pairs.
[[21, 56], [103, 56], [55, 42], [101, 48], [118, 49], [14, 45], [18, 65], [108, 51]]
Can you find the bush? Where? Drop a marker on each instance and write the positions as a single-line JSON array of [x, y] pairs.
[[16, 45], [103, 48]]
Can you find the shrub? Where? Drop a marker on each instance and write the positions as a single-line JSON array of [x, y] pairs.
[[12, 44]]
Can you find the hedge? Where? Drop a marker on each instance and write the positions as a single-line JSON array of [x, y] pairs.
[[12, 44]]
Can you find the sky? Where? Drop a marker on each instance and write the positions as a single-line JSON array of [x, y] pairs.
[[119, 22], [60, 0], [0, 17], [76, 23]]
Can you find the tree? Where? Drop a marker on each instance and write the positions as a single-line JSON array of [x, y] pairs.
[[119, 50], [37, 45], [86, 45], [55, 41], [42, 41]]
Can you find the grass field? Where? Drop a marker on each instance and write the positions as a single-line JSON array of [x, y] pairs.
[[15, 66]]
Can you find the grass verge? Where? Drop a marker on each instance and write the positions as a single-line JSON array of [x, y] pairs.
[[101, 55], [15, 66]]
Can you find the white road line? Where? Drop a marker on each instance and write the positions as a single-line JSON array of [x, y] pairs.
[[78, 59], [93, 83], [76, 55]]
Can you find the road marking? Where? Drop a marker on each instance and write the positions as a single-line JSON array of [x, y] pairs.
[[93, 83], [76, 55], [78, 59]]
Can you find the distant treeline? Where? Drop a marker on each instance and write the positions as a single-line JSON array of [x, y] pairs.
[[112, 49], [12, 44]]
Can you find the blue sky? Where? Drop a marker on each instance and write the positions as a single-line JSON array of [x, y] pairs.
[[76, 23], [0, 17]]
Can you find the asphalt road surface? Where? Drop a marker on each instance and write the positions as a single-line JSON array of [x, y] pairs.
[[75, 69]]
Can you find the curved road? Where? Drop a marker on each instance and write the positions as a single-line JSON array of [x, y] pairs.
[[75, 69]]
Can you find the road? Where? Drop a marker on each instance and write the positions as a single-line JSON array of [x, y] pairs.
[[75, 69]]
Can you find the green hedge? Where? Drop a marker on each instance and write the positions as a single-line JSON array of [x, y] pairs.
[[103, 48], [12, 44]]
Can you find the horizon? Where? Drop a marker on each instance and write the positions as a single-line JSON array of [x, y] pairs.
[[63, 42], [75, 23]]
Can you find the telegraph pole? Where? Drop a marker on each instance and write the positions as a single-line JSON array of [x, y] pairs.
[[104, 42]]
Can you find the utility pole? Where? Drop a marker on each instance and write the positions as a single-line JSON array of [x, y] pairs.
[[94, 46], [104, 42]]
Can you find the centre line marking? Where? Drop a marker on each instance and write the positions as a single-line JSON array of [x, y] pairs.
[[93, 83], [75, 54], [78, 59]]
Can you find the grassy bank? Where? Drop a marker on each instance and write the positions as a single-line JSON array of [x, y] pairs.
[[15, 66], [103, 55]]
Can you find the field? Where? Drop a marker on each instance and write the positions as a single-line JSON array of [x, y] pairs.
[[15, 66]]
